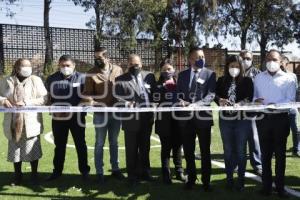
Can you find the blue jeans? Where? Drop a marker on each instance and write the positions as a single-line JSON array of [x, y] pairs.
[[254, 147], [234, 135], [106, 123], [295, 132]]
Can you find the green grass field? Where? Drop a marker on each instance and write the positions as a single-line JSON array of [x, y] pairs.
[[70, 185]]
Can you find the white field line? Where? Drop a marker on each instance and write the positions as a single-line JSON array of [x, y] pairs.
[[48, 138]]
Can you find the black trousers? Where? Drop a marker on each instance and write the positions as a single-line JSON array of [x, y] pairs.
[[137, 148], [61, 130], [273, 131], [189, 133], [171, 142]]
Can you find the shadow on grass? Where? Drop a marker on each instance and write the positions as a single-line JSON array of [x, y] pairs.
[[71, 186]]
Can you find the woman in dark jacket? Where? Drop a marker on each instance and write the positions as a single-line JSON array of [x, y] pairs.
[[233, 89], [166, 126]]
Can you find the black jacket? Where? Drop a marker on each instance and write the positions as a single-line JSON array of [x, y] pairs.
[[127, 90], [244, 90], [165, 123]]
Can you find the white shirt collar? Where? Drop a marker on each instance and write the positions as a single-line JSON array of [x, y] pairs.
[[198, 70], [278, 73]]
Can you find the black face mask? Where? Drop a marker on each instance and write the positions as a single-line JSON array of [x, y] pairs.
[[167, 75], [134, 70], [99, 63]]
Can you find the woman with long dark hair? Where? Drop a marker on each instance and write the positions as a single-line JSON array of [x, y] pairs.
[[233, 89]]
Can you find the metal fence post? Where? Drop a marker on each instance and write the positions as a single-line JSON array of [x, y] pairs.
[[1, 50]]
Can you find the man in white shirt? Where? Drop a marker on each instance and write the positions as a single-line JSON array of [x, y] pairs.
[[273, 86], [293, 112], [253, 142]]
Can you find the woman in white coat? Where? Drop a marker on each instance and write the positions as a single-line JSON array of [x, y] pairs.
[[23, 129]]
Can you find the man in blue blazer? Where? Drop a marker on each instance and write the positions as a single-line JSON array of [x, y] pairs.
[[196, 86]]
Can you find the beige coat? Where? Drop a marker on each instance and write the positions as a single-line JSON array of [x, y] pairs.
[[35, 95]]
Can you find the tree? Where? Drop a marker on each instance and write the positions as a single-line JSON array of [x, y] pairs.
[[195, 14], [127, 19], [238, 18], [6, 8], [295, 17], [48, 41], [106, 16], [150, 19], [272, 24]]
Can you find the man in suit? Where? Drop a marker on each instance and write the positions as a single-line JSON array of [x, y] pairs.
[[196, 86], [135, 89]]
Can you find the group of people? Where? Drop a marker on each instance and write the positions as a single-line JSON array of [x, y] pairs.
[[106, 85]]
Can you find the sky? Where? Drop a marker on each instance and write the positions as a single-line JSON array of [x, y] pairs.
[[64, 13]]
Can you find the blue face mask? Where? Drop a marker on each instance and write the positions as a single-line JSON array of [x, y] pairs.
[[200, 63]]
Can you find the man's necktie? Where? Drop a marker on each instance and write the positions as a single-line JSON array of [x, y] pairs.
[[193, 89]]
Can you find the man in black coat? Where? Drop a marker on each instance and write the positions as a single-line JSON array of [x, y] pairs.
[[135, 89], [196, 86]]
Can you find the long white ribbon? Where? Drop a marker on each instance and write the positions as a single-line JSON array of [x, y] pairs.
[[70, 109]]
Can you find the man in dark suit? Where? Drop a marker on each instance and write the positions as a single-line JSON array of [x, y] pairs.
[[196, 86], [135, 89]]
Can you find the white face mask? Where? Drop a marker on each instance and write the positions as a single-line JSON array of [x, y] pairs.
[[25, 71], [272, 66], [67, 71], [247, 64], [234, 72]]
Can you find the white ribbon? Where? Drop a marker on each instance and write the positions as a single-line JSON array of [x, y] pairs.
[[71, 109]]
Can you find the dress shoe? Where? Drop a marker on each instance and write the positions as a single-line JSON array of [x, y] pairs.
[[229, 184], [167, 178], [118, 175], [17, 179], [34, 179], [240, 185], [100, 179], [147, 177], [180, 176], [189, 185], [207, 188], [265, 192], [283, 194], [53, 177], [132, 182], [85, 176]]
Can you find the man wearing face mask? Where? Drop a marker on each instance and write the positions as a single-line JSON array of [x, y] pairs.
[[135, 89], [196, 86], [270, 87], [247, 62], [294, 114], [253, 142], [98, 91], [64, 89]]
